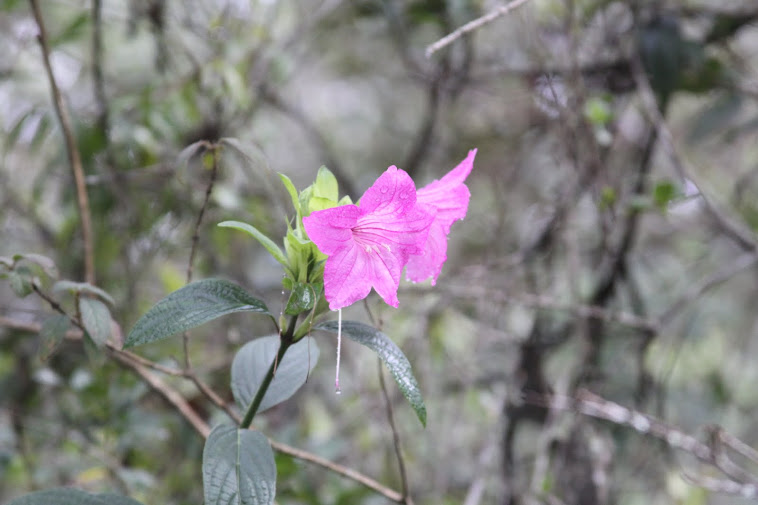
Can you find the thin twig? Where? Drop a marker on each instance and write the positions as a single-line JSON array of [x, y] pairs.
[[370, 483], [473, 25], [195, 241], [196, 231], [391, 419], [74, 158]]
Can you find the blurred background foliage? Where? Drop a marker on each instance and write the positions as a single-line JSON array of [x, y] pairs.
[[610, 245]]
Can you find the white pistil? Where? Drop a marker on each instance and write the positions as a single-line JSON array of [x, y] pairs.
[[339, 345]]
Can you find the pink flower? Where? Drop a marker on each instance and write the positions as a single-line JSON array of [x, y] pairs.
[[448, 199], [368, 245]]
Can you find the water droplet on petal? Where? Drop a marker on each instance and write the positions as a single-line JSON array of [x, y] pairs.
[[384, 189]]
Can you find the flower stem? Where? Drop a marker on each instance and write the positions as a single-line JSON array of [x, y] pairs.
[[286, 342]]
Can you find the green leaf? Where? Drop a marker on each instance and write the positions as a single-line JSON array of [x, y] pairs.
[[43, 262], [238, 468], [292, 191], [266, 242], [70, 496], [663, 193], [390, 354], [96, 319], [188, 307], [326, 185], [82, 287], [21, 281], [52, 333], [301, 299], [253, 361]]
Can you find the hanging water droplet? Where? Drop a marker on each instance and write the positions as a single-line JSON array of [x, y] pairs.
[[338, 391]]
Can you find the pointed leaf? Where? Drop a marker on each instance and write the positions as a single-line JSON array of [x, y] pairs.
[[188, 307], [70, 496], [238, 468], [253, 361], [290, 187], [52, 332], [266, 242], [326, 185], [390, 354], [96, 319]]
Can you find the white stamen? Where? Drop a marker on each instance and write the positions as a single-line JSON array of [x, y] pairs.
[[339, 345]]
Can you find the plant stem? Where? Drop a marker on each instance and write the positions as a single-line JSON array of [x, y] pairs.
[[286, 341]]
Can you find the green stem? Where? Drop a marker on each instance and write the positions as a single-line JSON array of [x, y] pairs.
[[286, 342]]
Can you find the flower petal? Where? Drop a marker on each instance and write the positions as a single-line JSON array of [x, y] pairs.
[[449, 195], [346, 277], [331, 229], [429, 263], [448, 198]]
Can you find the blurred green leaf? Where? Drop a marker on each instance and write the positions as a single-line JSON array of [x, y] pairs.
[[188, 307], [52, 333], [96, 319], [238, 468], [390, 354], [663, 193], [82, 287], [21, 279], [598, 111], [253, 361]]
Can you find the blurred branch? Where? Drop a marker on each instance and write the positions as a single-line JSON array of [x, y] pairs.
[[278, 102], [546, 302], [712, 453], [744, 238], [733, 268], [74, 158], [473, 25], [142, 366]]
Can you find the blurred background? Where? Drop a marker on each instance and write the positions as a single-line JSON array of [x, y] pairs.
[[609, 246]]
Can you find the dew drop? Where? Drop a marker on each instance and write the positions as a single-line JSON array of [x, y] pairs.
[[338, 392], [384, 189]]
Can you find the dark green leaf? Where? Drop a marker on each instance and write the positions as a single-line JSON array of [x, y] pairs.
[[266, 242], [390, 354], [52, 332], [70, 496], [301, 299], [190, 306], [238, 468], [253, 361], [96, 319]]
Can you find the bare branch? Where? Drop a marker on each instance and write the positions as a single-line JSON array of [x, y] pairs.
[[473, 25]]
